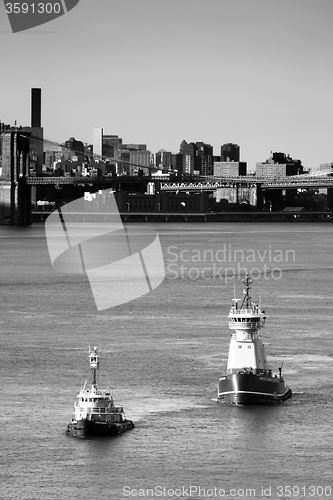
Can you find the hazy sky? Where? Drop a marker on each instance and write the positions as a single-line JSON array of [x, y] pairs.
[[257, 73]]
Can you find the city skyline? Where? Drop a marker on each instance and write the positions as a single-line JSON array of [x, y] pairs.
[[255, 73]]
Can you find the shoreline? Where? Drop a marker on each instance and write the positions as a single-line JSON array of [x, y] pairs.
[[196, 216]]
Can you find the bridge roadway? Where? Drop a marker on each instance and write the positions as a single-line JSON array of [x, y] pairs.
[[199, 184]]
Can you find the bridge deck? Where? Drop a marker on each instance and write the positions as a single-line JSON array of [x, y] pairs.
[[203, 185]]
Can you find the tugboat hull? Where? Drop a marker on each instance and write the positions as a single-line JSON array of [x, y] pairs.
[[250, 389], [86, 428]]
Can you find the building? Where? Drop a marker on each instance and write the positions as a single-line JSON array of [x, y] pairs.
[[197, 158], [177, 162], [229, 168], [111, 145], [76, 148], [204, 158], [230, 152], [164, 160], [278, 165], [326, 167], [134, 159], [98, 141], [36, 108], [36, 132]]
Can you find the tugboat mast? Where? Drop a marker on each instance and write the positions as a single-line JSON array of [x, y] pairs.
[[247, 299], [94, 363]]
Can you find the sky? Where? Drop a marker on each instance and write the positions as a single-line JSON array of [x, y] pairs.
[[257, 73]]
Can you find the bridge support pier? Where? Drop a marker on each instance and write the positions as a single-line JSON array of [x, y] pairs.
[[273, 197]]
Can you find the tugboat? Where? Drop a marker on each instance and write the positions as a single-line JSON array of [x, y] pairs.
[[248, 379], [95, 413]]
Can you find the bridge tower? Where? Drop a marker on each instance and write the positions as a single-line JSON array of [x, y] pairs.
[[15, 194]]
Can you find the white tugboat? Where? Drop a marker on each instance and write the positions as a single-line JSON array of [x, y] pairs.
[[248, 379], [95, 412]]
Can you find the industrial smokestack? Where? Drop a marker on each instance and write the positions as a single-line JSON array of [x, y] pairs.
[[36, 107]]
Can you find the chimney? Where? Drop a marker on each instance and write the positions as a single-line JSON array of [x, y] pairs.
[[36, 107]]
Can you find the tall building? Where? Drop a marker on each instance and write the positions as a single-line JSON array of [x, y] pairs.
[[164, 160], [230, 152], [197, 158], [36, 131], [111, 145], [36, 107], [97, 141], [189, 158], [177, 162], [204, 158]]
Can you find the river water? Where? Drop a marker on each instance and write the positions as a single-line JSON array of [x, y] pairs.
[[162, 354]]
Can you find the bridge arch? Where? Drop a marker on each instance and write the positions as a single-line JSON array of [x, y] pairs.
[[244, 206]]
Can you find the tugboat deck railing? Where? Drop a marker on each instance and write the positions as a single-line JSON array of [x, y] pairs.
[[243, 326]]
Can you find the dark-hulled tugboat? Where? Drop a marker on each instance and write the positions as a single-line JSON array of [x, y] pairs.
[[248, 379], [95, 413]]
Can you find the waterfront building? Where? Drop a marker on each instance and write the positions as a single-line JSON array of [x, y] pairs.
[[230, 152], [278, 165], [229, 168]]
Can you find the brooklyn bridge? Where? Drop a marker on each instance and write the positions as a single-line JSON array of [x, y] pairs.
[[20, 191]]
